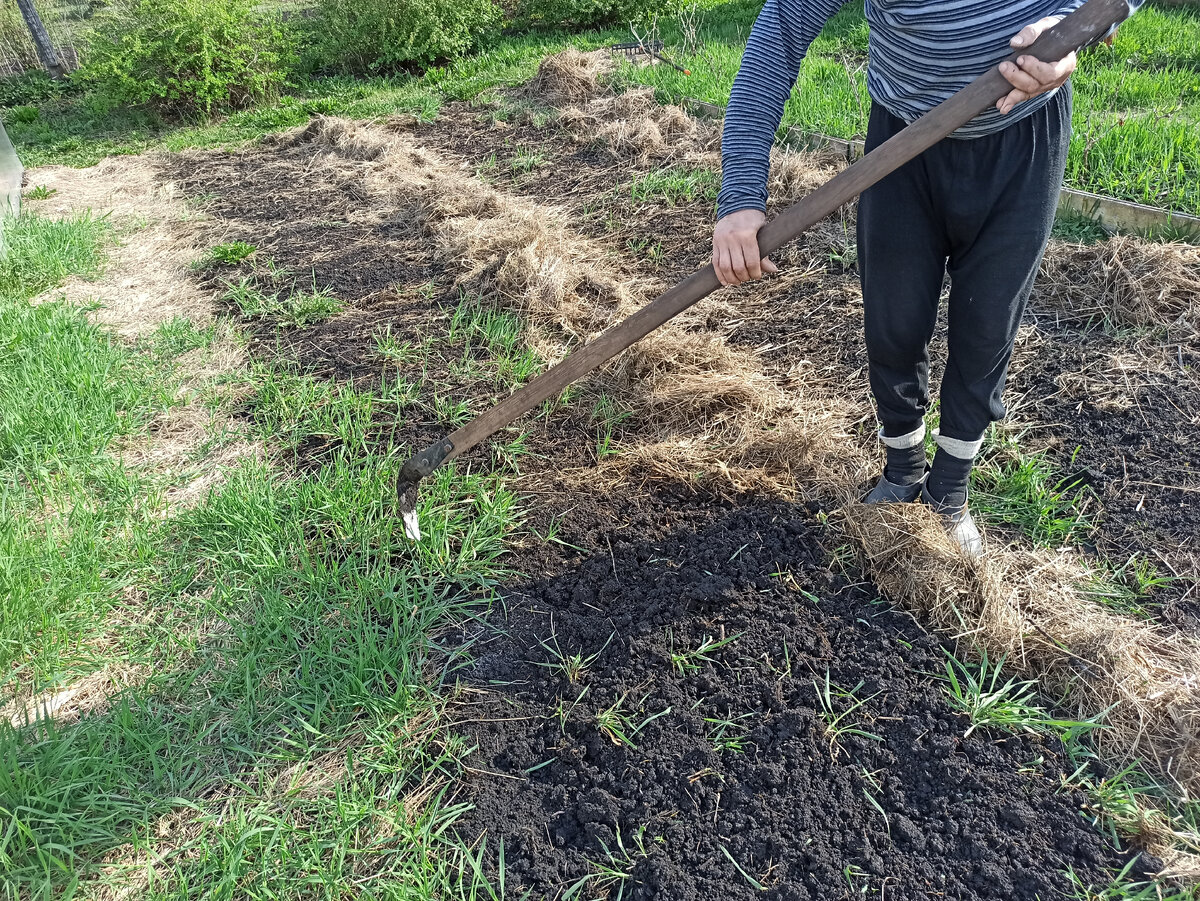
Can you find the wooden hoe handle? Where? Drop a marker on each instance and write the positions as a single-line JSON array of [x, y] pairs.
[[1087, 25]]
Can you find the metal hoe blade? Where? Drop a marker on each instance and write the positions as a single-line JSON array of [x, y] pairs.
[[410, 477]]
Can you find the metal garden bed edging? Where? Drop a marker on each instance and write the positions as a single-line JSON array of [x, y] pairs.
[[1113, 214], [11, 173]]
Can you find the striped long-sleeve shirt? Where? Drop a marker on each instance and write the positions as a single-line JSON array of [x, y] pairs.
[[920, 53]]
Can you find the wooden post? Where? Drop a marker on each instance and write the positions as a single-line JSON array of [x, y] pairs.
[[41, 40]]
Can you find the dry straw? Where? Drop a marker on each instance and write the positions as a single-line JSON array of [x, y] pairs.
[[1027, 605], [1126, 280], [712, 404]]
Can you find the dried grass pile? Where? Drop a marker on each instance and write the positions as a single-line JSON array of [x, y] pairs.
[[1127, 280], [634, 124], [1143, 679], [701, 405], [569, 77]]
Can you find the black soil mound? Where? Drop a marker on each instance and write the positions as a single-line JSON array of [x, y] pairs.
[[734, 777]]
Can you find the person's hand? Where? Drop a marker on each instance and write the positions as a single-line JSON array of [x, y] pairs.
[[735, 248], [1029, 76]]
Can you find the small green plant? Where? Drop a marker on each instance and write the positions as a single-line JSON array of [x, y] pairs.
[[1128, 588], [619, 724], [249, 299], [307, 307], [676, 185], [402, 392], [727, 734], [572, 667], [837, 709], [754, 883], [857, 879], [979, 693], [186, 56], [527, 160], [872, 795], [227, 254], [1023, 490], [690, 660], [614, 872], [41, 192], [399, 352], [608, 413], [563, 713], [1123, 888], [454, 413]]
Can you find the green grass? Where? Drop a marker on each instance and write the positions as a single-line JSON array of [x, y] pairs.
[[1012, 704], [840, 709], [297, 309], [280, 736], [1027, 492], [675, 185], [1129, 588], [42, 252]]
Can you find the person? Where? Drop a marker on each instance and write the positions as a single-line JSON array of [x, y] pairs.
[[978, 205]]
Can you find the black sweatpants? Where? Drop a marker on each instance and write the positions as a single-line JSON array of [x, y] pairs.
[[980, 209]]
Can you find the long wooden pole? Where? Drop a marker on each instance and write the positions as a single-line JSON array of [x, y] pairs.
[[1087, 25]]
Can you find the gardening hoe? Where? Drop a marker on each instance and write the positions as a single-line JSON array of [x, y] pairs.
[[1087, 25]]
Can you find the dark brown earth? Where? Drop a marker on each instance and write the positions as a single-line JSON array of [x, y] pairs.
[[637, 572], [978, 817]]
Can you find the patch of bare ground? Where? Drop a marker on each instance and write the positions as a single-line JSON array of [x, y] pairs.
[[746, 391], [146, 282], [188, 449]]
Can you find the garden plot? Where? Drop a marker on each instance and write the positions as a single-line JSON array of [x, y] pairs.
[[691, 689]]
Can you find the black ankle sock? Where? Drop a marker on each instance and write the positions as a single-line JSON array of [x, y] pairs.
[[905, 466], [947, 482]]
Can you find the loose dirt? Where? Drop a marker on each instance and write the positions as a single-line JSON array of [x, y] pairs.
[[908, 807]]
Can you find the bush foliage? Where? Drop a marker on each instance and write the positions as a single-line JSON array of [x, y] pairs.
[[587, 13], [369, 36], [187, 56]]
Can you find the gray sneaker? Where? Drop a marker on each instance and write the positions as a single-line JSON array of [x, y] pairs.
[[886, 492], [959, 525]]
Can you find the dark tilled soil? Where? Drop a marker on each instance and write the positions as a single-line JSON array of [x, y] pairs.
[[795, 807]]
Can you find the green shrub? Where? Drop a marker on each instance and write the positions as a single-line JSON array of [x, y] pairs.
[[361, 36], [187, 56], [587, 13]]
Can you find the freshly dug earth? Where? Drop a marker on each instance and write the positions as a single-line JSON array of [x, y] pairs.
[[905, 806]]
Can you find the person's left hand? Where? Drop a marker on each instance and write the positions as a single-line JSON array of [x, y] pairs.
[[1029, 76]]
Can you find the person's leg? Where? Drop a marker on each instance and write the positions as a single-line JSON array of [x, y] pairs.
[[902, 250], [1000, 209]]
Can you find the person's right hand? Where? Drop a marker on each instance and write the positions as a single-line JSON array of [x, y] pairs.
[[735, 248]]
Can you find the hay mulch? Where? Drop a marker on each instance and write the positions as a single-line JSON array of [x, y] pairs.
[[1126, 280], [703, 407]]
